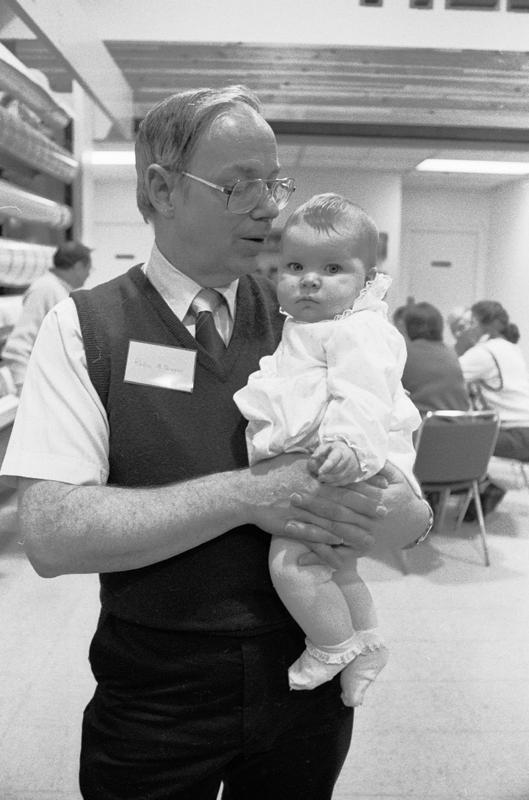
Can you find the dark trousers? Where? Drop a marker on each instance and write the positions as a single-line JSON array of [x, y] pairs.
[[513, 443], [175, 714]]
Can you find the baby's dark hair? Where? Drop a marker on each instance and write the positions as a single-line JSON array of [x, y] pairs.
[[491, 314], [329, 212]]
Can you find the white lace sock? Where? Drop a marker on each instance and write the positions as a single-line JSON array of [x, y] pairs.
[[363, 670], [317, 665]]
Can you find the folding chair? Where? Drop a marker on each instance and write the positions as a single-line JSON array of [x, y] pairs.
[[453, 449]]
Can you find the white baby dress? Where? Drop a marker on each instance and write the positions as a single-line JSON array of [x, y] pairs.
[[335, 379]]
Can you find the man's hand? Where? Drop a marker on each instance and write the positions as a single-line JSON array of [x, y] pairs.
[[289, 501], [383, 513], [402, 517], [408, 514]]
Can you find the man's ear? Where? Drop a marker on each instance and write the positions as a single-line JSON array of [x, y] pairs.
[[160, 183]]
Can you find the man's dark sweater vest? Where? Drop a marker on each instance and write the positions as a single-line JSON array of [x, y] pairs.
[[160, 436]]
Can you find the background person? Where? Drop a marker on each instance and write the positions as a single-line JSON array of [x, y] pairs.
[[332, 390], [71, 268], [398, 319], [432, 374], [496, 368], [460, 323], [142, 476]]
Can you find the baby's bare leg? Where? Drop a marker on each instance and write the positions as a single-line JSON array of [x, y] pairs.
[[317, 604], [310, 593], [355, 592], [357, 675]]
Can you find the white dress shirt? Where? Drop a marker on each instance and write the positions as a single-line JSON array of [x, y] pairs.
[[61, 429]]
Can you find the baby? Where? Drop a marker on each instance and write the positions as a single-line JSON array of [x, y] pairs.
[[332, 389]]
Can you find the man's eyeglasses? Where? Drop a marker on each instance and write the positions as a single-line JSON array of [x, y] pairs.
[[244, 196]]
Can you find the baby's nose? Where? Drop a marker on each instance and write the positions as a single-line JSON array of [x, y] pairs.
[[310, 279]]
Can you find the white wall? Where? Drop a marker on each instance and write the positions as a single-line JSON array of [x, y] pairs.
[[447, 212], [507, 277], [334, 22], [116, 230]]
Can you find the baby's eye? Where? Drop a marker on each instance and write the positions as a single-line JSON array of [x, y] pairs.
[[332, 269], [295, 266]]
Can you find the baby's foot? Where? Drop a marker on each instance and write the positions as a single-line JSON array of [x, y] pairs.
[[307, 672], [360, 673], [317, 665]]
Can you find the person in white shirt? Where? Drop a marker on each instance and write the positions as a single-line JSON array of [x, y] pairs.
[[332, 389], [496, 372], [71, 267]]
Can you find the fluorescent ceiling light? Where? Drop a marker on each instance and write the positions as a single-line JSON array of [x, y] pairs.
[[483, 167], [111, 157]]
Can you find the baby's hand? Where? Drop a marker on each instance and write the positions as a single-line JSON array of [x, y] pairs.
[[335, 462]]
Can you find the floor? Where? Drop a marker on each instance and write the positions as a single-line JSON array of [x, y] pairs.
[[448, 719]]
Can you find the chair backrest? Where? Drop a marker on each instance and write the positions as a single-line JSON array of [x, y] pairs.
[[455, 446]]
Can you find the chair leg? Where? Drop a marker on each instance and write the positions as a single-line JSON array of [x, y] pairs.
[[443, 502], [523, 468], [481, 522], [463, 509]]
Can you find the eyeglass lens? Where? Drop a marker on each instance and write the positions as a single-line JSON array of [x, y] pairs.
[[246, 195]]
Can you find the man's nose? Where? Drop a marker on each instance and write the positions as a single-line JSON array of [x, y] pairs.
[[266, 208]]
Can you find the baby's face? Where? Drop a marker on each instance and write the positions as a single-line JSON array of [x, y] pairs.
[[320, 274]]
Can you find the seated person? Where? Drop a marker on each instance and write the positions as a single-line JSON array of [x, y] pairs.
[[432, 374], [398, 319], [460, 323], [495, 368], [71, 267]]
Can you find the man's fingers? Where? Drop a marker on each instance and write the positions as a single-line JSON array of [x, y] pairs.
[[356, 538], [309, 530], [321, 553], [342, 505]]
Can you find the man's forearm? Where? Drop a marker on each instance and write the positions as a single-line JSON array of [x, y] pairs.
[[75, 529]]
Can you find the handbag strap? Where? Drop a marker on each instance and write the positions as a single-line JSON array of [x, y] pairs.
[[484, 383]]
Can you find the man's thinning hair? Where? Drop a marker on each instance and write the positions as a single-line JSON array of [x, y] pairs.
[[170, 130], [332, 213]]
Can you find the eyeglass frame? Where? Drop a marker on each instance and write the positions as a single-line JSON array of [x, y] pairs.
[[229, 192]]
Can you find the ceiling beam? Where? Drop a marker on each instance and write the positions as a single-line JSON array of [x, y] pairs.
[[71, 35], [441, 133]]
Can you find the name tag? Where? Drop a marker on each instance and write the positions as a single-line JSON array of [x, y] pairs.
[[157, 365]]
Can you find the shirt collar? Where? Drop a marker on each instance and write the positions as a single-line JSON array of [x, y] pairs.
[[68, 286], [178, 290]]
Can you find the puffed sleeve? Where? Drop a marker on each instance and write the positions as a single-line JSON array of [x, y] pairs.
[[365, 360]]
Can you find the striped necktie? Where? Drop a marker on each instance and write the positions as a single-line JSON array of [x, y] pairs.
[[206, 333]]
